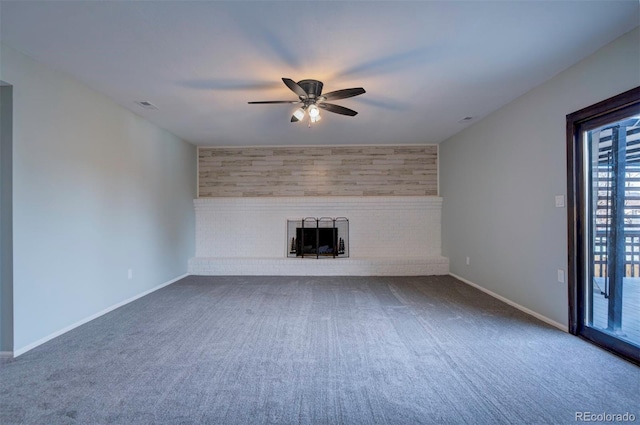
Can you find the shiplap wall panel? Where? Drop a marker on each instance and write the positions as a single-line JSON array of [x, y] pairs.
[[318, 171]]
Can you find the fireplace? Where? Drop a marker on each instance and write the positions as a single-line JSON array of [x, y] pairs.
[[323, 237], [384, 236]]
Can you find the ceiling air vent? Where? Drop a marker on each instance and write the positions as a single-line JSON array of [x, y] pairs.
[[146, 105]]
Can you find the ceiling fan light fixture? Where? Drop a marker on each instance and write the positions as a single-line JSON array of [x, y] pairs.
[[299, 113], [315, 119], [314, 112]]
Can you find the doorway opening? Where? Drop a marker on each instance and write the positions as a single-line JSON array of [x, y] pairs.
[[6, 220], [603, 147]]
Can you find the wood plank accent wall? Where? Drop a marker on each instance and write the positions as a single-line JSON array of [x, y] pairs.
[[318, 171]]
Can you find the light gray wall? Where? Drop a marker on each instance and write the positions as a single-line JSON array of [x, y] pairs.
[[499, 178], [96, 190], [6, 221]]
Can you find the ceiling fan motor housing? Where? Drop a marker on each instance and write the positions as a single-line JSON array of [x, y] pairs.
[[312, 87]]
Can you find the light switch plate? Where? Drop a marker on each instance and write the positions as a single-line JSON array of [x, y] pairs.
[[559, 201]]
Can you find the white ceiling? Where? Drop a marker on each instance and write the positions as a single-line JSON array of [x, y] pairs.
[[425, 64]]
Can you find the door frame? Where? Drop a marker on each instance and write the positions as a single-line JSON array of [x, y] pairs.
[[6, 220], [599, 113]]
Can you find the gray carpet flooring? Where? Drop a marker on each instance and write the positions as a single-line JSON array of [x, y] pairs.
[[315, 350]]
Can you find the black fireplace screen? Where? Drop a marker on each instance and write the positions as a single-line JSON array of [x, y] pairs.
[[323, 237]]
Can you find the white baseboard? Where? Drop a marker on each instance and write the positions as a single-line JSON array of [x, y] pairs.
[[5, 355], [513, 304], [41, 341]]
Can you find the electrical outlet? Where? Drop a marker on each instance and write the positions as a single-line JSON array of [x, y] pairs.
[[559, 201], [468, 261], [130, 274], [560, 275]]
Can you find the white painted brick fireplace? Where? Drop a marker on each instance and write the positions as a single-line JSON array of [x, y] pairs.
[[394, 235]]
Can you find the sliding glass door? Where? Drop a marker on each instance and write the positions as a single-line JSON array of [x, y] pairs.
[[604, 224]]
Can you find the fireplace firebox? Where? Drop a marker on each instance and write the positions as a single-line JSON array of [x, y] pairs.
[[324, 237]]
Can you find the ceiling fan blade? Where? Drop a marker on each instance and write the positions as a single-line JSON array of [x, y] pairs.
[[267, 102], [337, 109], [343, 94], [294, 119], [295, 87]]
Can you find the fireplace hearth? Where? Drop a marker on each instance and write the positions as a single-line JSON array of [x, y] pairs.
[[323, 237]]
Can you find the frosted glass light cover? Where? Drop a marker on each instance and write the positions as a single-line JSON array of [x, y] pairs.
[[299, 113], [313, 111]]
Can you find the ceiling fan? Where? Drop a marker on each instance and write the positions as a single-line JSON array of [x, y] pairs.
[[311, 99]]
